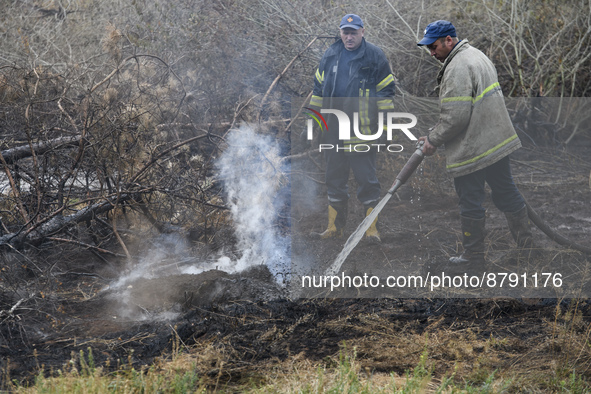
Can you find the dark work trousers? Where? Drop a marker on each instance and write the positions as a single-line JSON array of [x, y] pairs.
[[363, 164], [505, 196]]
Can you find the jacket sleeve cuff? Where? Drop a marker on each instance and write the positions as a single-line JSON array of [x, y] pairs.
[[433, 141], [316, 101]]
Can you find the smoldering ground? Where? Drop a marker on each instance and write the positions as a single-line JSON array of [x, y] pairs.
[[244, 320], [169, 277]]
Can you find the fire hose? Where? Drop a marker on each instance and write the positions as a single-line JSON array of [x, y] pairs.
[[409, 168], [553, 235]]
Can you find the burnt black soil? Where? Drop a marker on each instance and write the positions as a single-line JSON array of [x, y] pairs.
[[258, 323]]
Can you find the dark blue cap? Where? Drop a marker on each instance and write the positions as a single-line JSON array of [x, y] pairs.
[[351, 20], [436, 30]]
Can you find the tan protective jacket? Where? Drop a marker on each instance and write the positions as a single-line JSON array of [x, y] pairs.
[[474, 123]]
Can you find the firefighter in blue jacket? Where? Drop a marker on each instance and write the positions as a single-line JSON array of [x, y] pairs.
[[356, 73]]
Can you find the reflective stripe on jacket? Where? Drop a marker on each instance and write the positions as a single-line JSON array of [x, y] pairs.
[[370, 77], [474, 123]]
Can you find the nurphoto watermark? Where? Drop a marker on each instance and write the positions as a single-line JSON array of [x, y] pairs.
[[366, 139]]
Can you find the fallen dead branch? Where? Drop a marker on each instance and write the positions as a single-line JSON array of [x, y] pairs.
[[15, 154], [85, 245], [5, 314], [58, 222], [10, 312], [300, 155]]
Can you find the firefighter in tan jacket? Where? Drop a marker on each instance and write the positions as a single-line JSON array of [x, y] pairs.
[[478, 135]]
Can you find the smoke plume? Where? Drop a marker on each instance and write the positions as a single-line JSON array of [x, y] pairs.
[[250, 169]]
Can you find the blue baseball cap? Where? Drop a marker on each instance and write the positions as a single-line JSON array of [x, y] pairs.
[[437, 30], [351, 20]]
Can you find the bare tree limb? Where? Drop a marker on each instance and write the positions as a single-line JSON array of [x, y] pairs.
[[299, 111], [15, 191], [85, 245], [162, 154], [15, 154], [283, 73], [59, 222]]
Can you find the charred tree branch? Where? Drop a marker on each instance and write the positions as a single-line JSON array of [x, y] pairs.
[[85, 245], [59, 222], [13, 155]]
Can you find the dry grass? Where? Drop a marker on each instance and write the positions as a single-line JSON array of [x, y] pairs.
[[442, 354]]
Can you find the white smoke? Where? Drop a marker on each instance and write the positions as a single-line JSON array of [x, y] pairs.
[[166, 254], [163, 258], [251, 172], [250, 169]]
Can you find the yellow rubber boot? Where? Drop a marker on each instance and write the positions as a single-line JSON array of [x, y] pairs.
[[337, 217], [372, 233]]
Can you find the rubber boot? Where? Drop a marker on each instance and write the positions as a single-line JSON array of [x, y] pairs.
[[372, 234], [337, 218], [472, 241], [520, 228]]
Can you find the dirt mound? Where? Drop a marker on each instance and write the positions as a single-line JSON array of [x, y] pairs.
[[168, 297], [160, 297]]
